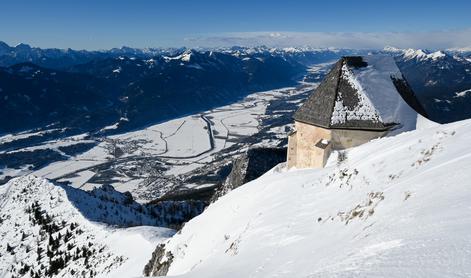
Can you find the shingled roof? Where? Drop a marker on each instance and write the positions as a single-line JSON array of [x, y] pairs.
[[367, 93]]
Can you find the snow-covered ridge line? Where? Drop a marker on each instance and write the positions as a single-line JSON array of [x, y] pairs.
[[52, 238], [419, 54], [394, 207], [151, 51], [363, 111]]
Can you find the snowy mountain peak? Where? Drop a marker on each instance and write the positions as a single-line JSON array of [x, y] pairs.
[[414, 54], [437, 55], [292, 50], [184, 57], [421, 55], [23, 46], [392, 49]]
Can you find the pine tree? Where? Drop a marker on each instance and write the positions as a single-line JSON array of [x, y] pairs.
[[51, 240], [10, 249], [39, 251]]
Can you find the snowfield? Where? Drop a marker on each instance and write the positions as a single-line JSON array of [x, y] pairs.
[[395, 207], [44, 234]]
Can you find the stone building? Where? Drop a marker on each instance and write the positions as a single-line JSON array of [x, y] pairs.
[[360, 99]]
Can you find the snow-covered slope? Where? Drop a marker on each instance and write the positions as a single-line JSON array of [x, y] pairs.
[[394, 207], [43, 234]]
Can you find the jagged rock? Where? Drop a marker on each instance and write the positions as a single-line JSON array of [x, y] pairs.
[[247, 167], [159, 263], [250, 166]]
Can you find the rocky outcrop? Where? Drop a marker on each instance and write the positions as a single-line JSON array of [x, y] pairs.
[[159, 263], [247, 167], [250, 166]]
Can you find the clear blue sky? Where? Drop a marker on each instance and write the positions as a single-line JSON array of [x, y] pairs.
[[98, 24]]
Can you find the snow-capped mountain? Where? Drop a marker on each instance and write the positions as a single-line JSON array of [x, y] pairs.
[[421, 55], [77, 111], [96, 93], [438, 78], [46, 231], [394, 207], [61, 59], [97, 122]]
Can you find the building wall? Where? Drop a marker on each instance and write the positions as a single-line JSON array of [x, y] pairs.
[[346, 138], [292, 149], [302, 150]]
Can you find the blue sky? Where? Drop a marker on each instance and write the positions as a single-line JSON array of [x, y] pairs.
[[104, 24]]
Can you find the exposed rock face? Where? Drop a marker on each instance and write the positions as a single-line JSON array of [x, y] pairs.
[[250, 166], [159, 263], [247, 167]]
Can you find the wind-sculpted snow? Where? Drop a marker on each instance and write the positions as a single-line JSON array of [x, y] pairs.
[[394, 207]]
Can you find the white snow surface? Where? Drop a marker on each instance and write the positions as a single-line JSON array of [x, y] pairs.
[[396, 207], [364, 110], [379, 98], [421, 55], [116, 252]]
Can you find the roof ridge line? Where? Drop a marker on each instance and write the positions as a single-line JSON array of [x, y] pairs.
[[342, 60]]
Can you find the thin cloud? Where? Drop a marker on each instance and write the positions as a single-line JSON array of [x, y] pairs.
[[431, 40]]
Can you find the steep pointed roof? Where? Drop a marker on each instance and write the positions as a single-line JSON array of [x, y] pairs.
[[367, 93]]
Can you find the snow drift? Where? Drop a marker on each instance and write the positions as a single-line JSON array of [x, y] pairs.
[[394, 207]]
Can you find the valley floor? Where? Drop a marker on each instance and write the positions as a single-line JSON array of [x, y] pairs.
[[158, 159]]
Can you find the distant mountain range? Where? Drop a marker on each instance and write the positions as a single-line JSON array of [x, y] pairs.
[[59, 93], [441, 80], [55, 58], [88, 90]]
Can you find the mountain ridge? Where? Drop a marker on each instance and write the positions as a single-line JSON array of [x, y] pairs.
[[53, 238]]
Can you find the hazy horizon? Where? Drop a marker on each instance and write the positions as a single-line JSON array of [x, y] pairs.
[[106, 24]]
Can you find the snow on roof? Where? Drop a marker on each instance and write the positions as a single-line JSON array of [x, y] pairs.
[[361, 93], [363, 110], [378, 87]]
